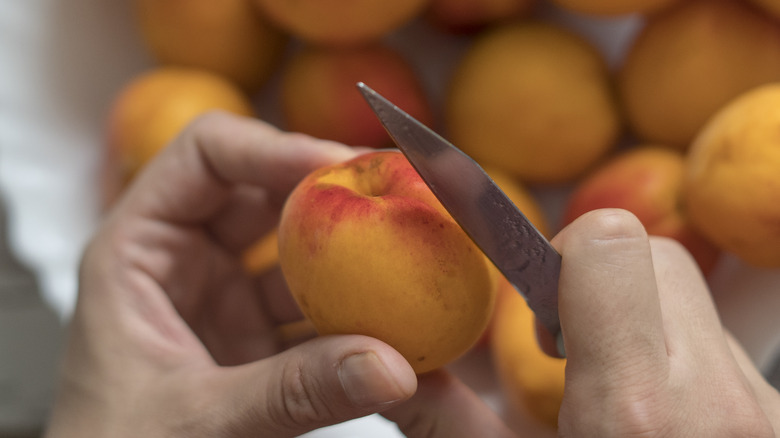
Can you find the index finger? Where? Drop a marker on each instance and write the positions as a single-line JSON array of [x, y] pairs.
[[608, 300], [193, 178]]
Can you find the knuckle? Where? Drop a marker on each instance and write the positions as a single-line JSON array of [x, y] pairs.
[[301, 402], [640, 414], [644, 417], [654, 415]]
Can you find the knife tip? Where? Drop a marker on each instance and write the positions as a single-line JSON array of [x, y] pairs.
[[366, 91], [376, 101]]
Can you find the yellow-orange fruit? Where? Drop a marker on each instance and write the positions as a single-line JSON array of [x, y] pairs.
[[341, 22], [262, 255], [689, 61], [319, 96], [732, 181], [534, 100], [228, 37], [532, 381], [367, 249], [156, 105]]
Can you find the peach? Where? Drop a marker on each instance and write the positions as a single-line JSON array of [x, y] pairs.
[[468, 16], [647, 181], [366, 248], [151, 109], [262, 255], [341, 22], [228, 37], [533, 99], [732, 177], [689, 61], [319, 98], [531, 381]]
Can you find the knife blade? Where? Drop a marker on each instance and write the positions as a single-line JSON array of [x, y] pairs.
[[480, 207]]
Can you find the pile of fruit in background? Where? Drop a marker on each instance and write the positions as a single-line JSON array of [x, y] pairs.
[[684, 131]]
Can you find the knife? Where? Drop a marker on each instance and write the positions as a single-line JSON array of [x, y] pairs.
[[486, 214]]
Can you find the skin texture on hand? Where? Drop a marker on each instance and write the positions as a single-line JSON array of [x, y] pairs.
[[646, 353], [171, 338], [164, 305]]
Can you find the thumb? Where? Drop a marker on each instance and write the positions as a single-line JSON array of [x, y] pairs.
[[325, 381]]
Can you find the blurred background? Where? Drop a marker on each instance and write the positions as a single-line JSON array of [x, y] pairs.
[[64, 65], [61, 63]]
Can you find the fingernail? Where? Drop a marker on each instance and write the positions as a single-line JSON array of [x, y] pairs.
[[368, 383]]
